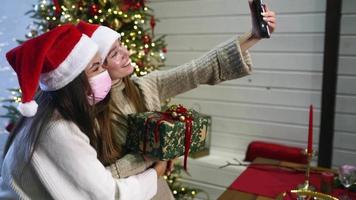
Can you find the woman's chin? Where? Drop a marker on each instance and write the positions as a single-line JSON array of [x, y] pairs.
[[126, 71], [130, 69], [121, 72]]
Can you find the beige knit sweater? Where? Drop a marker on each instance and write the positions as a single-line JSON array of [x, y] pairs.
[[224, 62]]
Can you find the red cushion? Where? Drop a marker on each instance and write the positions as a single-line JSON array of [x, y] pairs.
[[275, 151]]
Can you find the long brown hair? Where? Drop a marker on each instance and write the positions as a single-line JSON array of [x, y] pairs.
[[108, 152], [111, 150], [71, 103], [133, 93]]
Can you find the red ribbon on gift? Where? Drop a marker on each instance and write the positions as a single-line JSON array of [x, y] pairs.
[[173, 113], [188, 140]]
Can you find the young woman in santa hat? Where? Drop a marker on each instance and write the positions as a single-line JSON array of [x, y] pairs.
[[230, 60], [53, 151]]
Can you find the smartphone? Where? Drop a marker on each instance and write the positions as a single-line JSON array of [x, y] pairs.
[[263, 28]]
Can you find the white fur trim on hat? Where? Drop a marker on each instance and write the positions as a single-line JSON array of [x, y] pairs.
[[77, 60], [105, 37], [28, 109]]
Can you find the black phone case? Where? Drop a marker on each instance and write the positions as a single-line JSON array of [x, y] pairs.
[[262, 25]]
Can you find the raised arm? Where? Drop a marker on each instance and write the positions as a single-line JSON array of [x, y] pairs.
[[224, 62]]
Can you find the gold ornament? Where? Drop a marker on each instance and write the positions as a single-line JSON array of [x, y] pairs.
[[167, 101], [173, 107], [126, 20], [182, 118], [103, 2], [116, 24], [174, 114]]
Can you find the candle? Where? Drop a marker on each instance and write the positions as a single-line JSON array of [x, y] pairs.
[[310, 130]]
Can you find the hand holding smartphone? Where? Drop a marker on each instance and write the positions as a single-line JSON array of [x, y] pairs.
[[259, 7]]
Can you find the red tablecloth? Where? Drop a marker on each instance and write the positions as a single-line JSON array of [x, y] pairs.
[[270, 181]]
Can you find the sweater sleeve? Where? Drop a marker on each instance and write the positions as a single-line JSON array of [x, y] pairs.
[[128, 165], [224, 62], [68, 167]]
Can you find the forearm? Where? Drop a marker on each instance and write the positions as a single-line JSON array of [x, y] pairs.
[[130, 164], [225, 62], [247, 41]]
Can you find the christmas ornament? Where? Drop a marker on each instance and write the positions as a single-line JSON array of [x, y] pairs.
[[126, 20], [103, 2], [140, 64], [127, 4], [93, 9], [143, 3], [146, 50], [57, 7], [116, 25], [182, 118], [131, 5], [164, 50], [80, 5], [152, 24], [146, 39], [137, 5], [174, 114]]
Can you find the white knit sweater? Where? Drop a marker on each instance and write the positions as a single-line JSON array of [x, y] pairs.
[[65, 166]]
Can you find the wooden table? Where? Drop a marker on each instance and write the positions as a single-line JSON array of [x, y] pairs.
[[230, 194]]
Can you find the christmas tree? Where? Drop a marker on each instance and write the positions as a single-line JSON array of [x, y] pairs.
[[131, 18], [134, 20]]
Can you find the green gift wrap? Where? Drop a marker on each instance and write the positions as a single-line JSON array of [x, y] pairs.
[[170, 134]]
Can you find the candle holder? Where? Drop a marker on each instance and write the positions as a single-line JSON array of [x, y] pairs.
[[306, 186], [305, 190]]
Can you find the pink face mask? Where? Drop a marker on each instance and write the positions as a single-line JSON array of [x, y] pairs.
[[100, 85]]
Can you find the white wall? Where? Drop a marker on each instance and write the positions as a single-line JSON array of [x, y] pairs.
[[271, 104], [345, 122]]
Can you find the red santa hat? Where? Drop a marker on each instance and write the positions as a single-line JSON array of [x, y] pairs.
[[103, 36], [51, 60]]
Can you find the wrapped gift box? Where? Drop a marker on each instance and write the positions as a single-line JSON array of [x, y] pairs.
[[163, 137]]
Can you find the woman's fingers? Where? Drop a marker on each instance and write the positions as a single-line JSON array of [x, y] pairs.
[[272, 26], [168, 169], [170, 165], [270, 19], [269, 14]]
